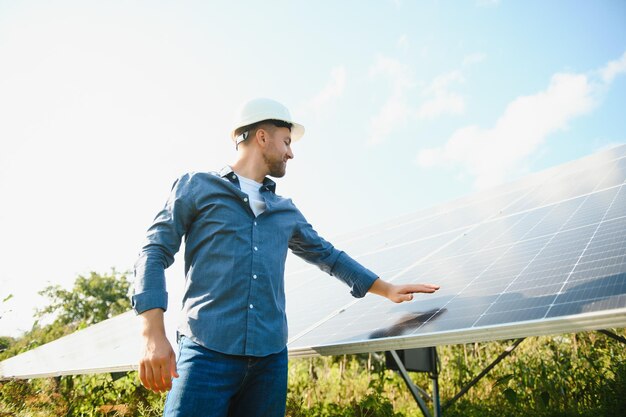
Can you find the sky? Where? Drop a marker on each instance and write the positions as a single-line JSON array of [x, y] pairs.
[[406, 105]]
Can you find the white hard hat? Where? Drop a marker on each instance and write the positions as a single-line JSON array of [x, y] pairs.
[[259, 109]]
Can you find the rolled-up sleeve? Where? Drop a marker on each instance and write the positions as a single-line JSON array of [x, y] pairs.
[[308, 245], [162, 243], [358, 277]]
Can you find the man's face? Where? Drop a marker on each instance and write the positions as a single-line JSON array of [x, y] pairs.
[[278, 151]]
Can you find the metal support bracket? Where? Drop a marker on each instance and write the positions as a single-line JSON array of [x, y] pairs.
[[613, 335], [418, 393], [409, 383], [484, 372]]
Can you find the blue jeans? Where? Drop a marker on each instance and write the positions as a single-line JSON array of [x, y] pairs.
[[213, 384]]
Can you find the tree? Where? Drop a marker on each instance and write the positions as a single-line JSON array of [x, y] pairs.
[[4, 300], [92, 299], [5, 341]]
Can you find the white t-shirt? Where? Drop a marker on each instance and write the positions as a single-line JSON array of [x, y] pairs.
[[251, 187]]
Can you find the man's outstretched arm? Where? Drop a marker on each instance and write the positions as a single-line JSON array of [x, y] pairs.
[[400, 293], [157, 367]]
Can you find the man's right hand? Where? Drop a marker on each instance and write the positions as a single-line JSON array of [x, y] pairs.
[[157, 367]]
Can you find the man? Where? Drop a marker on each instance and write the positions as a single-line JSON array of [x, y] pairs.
[[232, 341]]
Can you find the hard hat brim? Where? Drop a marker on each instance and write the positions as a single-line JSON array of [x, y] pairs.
[[260, 109], [297, 130]]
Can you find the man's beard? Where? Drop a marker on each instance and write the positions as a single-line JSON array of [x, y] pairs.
[[277, 168]]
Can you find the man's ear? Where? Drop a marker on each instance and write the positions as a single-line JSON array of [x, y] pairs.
[[261, 137]]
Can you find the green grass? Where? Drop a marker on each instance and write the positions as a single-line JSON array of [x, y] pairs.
[[581, 374]]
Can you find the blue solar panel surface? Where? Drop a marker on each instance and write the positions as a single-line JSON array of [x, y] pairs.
[[550, 248]]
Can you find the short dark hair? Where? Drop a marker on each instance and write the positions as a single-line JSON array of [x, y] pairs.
[[252, 128]]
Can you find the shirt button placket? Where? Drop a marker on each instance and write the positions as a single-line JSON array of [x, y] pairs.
[[254, 235], [254, 250]]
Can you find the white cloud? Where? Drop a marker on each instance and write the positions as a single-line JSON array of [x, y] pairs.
[[395, 111], [398, 72], [446, 103], [489, 155], [440, 99], [613, 69], [332, 91], [403, 43], [441, 82], [428, 158], [437, 99]]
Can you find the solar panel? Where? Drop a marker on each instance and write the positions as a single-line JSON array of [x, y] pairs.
[[543, 255], [550, 257]]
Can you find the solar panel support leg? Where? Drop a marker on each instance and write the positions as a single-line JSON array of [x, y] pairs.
[[613, 335], [484, 372], [409, 383], [436, 401]]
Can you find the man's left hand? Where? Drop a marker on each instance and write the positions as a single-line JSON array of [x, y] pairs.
[[400, 293]]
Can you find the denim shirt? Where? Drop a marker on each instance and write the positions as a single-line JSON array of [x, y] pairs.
[[234, 298]]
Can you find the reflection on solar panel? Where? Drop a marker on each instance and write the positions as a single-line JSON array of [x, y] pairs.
[[543, 255]]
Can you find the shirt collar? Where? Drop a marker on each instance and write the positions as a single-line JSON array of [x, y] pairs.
[[228, 173]]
